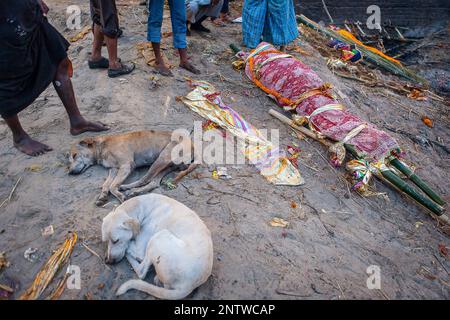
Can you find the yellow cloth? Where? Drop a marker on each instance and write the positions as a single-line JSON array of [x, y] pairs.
[[258, 150]]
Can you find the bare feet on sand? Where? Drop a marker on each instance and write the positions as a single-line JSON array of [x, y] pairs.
[[162, 69], [29, 146], [34, 148], [189, 67], [84, 126]]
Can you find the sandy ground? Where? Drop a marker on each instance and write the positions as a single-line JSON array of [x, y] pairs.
[[333, 235]]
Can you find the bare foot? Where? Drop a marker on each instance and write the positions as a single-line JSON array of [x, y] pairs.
[[85, 126], [31, 147], [163, 70], [189, 67]]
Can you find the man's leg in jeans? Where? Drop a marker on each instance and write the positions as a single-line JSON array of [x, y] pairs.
[[178, 16], [155, 19]]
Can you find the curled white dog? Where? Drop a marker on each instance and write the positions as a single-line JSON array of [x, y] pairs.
[[156, 230]]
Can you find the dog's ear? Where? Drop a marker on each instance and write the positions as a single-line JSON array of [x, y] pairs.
[[87, 142], [134, 225]]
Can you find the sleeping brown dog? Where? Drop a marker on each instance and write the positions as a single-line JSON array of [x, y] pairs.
[[122, 153]]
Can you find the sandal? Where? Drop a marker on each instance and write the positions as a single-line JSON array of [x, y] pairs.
[[103, 63], [123, 70]]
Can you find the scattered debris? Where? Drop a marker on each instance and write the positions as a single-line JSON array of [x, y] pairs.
[[237, 20], [5, 292], [222, 172], [50, 268], [154, 82], [48, 231], [169, 184], [427, 121], [34, 168], [4, 263], [146, 50], [95, 254], [29, 254], [278, 222], [80, 35], [443, 250], [8, 200], [294, 154]]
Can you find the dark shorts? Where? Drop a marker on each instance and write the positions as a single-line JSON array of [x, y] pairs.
[[31, 50], [104, 14]]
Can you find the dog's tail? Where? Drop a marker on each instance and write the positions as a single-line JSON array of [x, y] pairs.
[[149, 288]]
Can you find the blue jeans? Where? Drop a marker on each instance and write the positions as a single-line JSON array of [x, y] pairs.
[[178, 17]]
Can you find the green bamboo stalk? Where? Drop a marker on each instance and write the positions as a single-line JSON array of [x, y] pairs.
[[397, 182], [234, 48], [406, 188], [368, 55], [416, 179]]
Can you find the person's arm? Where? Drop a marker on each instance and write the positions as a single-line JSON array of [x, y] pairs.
[[43, 6]]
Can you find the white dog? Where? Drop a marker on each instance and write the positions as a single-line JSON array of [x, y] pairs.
[[156, 230]]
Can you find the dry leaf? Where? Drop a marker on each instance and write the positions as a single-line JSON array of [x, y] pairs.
[[443, 250], [427, 121], [48, 231], [34, 168], [278, 222], [81, 34], [417, 94], [3, 262], [146, 50]]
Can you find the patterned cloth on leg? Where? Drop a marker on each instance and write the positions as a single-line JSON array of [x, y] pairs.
[[178, 19], [274, 20]]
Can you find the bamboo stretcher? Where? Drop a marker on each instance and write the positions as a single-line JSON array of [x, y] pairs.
[[431, 201]]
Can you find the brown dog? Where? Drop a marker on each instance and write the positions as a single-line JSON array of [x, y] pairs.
[[123, 153]]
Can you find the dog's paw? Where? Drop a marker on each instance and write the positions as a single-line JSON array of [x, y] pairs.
[[101, 201], [141, 273], [125, 187], [122, 290], [157, 282], [129, 194], [120, 196]]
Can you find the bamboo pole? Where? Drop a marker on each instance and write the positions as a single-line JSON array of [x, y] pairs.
[[417, 181], [234, 48], [412, 192], [389, 175]]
